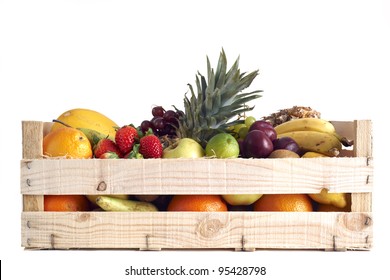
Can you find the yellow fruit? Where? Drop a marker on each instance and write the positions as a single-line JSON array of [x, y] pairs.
[[312, 155], [86, 118], [67, 142], [324, 197]]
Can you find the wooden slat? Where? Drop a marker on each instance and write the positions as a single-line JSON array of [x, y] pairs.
[[32, 137], [178, 230], [33, 203], [363, 148], [195, 176]]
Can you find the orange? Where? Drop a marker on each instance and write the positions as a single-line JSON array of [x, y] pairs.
[[66, 203], [284, 202], [201, 203], [67, 142]]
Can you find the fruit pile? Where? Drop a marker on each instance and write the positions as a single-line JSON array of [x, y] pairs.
[[213, 124]]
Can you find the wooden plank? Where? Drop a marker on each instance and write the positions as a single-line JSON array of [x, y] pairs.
[[33, 203], [363, 148], [195, 176], [178, 230], [32, 137]]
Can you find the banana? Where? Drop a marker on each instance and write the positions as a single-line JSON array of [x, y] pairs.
[[311, 124], [306, 124], [315, 141], [108, 203], [312, 155]]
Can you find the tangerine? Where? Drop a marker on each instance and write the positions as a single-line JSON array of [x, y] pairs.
[[67, 142], [200, 203], [284, 202], [66, 203]]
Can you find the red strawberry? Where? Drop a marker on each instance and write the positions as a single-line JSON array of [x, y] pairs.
[[150, 146], [125, 138], [105, 145]]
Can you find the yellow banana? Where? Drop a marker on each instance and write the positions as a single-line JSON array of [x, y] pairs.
[[306, 124], [109, 203], [315, 141], [311, 124]]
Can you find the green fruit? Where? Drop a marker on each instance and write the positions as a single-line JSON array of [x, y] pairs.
[[243, 132], [184, 148], [249, 120], [236, 129], [241, 199], [222, 145]]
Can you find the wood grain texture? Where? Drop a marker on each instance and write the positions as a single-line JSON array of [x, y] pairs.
[[32, 139], [33, 203], [32, 136], [194, 230], [195, 176], [363, 148]]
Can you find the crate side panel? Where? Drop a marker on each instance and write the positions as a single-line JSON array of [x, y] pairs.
[[363, 148], [178, 230], [32, 138], [161, 176]]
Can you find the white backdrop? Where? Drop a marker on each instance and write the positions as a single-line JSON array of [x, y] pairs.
[[121, 57]]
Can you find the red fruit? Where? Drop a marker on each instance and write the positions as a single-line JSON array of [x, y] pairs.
[[125, 138], [266, 127], [105, 146], [257, 145], [150, 146]]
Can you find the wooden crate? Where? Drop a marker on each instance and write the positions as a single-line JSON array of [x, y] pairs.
[[351, 173]]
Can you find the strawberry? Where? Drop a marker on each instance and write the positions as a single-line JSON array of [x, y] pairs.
[[106, 145], [150, 146], [125, 138]]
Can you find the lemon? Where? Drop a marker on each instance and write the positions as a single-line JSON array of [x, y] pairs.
[[222, 145]]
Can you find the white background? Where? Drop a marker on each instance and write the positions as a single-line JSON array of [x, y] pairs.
[[121, 57]]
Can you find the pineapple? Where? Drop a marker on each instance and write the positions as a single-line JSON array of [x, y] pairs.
[[295, 112], [217, 101]]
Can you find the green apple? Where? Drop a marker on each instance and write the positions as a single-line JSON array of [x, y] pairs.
[[222, 145], [184, 148], [241, 199]]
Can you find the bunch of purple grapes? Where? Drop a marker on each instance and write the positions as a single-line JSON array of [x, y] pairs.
[[164, 122]]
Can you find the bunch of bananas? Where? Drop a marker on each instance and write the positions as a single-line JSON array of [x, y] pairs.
[[313, 135]]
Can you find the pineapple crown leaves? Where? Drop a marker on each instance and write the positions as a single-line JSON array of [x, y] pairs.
[[217, 100]]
